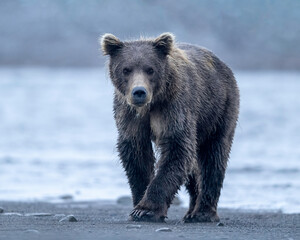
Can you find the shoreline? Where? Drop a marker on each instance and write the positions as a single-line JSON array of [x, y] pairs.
[[109, 220]]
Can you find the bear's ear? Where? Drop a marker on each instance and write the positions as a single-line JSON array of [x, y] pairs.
[[164, 43], [110, 44]]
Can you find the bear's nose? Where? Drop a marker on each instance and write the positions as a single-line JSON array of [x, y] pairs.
[[139, 94]]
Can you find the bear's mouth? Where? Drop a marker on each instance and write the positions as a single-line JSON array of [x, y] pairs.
[[139, 103]]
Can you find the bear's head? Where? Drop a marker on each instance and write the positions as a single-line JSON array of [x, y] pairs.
[[138, 68]]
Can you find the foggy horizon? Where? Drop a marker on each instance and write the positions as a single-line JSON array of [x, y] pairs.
[[248, 35]]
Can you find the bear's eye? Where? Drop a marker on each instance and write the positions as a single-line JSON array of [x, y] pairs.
[[150, 71], [126, 71]]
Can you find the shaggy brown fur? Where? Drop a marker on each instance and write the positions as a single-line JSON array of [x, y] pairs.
[[185, 100]]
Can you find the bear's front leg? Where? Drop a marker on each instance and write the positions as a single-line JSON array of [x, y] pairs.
[[177, 153], [138, 161], [212, 159]]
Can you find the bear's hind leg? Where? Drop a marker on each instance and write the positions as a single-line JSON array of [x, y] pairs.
[[193, 189]]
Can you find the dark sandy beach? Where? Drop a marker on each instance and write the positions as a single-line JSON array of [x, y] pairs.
[[106, 220]]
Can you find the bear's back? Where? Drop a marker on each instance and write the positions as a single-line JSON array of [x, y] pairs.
[[208, 66]]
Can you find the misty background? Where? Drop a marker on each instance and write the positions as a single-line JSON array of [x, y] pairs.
[[257, 34], [57, 132]]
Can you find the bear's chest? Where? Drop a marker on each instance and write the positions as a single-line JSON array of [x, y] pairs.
[[157, 124]]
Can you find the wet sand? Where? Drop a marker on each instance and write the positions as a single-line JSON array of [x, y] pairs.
[[107, 220]]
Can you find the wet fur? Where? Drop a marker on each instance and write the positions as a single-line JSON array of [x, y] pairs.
[[191, 118]]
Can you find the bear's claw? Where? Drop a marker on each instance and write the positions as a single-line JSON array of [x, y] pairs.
[[138, 215]]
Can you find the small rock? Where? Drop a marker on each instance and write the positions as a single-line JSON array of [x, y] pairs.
[[12, 214], [164, 229], [133, 226], [38, 214], [32, 231], [124, 200], [220, 224], [69, 218], [1, 210], [66, 197]]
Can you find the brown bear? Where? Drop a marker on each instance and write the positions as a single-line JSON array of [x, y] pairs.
[[185, 100]]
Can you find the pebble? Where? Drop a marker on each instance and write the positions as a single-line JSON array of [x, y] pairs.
[[12, 214], [69, 218], [1, 210], [133, 226], [165, 229], [124, 200], [220, 224], [32, 231], [66, 197], [38, 214]]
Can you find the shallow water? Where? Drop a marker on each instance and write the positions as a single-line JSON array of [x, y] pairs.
[[57, 138]]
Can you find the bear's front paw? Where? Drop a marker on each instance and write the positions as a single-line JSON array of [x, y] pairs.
[[139, 215], [146, 215]]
